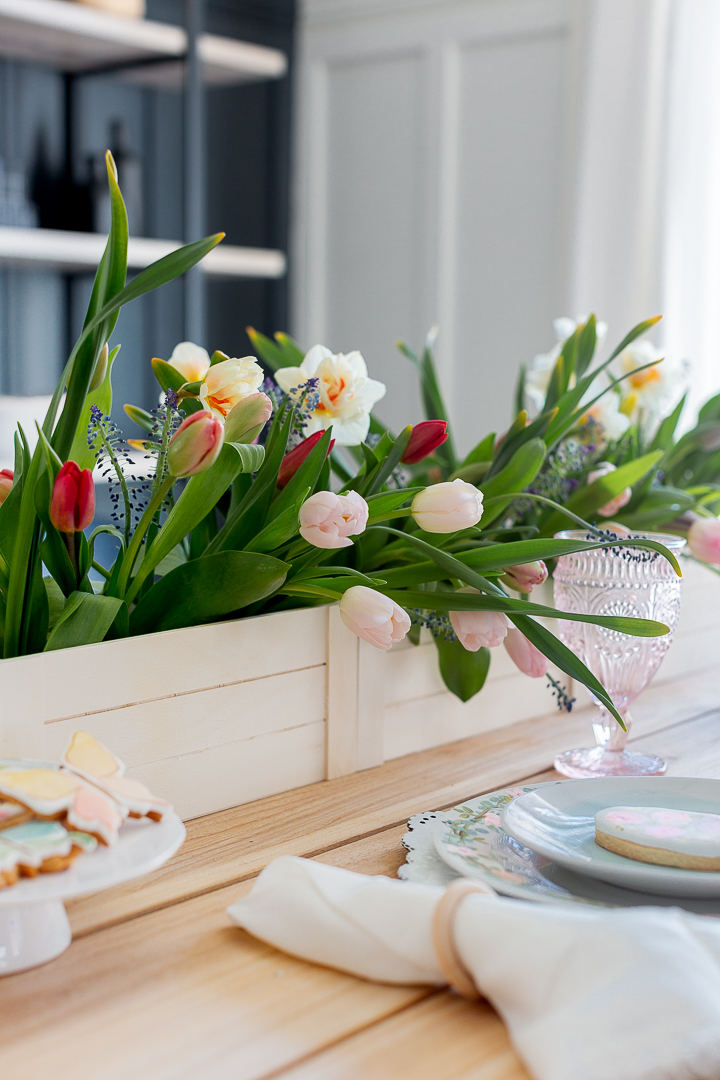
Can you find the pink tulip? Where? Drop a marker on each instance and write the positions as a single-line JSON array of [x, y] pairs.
[[327, 519], [610, 508], [704, 540], [6, 482], [523, 577], [195, 445], [425, 438], [447, 507], [373, 617], [72, 506], [524, 654], [479, 629], [247, 419], [292, 461]]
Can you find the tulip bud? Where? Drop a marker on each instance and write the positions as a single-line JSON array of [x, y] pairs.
[[610, 508], [523, 577], [292, 461], [425, 438], [6, 482], [195, 445], [479, 629], [327, 519], [100, 371], [373, 617], [448, 507], [72, 506], [704, 540], [247, 419], [524, 654]]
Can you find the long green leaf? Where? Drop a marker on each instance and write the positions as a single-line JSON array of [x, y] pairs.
[[520, 471], [84, 620], [464, 673], [559, 654], [80, 451], [459, 601], [207, 589]]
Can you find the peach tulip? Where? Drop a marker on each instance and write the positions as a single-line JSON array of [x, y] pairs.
[[195, 445], [327, 520], [610, 508], [704, 540], [447, 507], [524, 654], [373, 617]]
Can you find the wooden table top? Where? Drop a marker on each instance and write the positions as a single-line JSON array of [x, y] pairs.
[[157, 984]]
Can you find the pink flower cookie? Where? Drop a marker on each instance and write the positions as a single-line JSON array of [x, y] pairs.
[[666, 837]]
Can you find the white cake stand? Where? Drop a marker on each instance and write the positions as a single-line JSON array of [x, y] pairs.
[[34, 926]]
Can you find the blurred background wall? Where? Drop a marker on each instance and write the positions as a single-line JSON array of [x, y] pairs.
[[492, 164]]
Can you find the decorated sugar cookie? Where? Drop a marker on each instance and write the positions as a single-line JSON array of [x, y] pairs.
[[89, 758], [83, 841], [44, 847], [665, 837], [138, 799], [9, 871], [92, 761], [93, 812], [45, 792], [12, 814]]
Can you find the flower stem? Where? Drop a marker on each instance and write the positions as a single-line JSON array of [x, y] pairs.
[[133, 548]]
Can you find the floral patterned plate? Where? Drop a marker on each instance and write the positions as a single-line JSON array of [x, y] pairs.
[[470, 842]]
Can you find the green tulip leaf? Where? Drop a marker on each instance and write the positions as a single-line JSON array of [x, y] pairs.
[[207, 589], [520, 471], [84, 620], [464, 673]]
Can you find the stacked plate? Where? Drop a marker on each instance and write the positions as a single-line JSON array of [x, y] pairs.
[[538, 842]]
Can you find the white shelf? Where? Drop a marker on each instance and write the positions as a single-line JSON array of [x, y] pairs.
[[73, 37], [76, 251]]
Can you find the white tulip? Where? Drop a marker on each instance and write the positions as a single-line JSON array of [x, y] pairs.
[[373, 617], [448, 507], [347, 395]]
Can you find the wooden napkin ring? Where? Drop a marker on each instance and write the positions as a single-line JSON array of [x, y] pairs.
[[443, 921]]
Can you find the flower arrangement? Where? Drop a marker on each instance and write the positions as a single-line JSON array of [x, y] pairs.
[[262, 495], [623, 465]]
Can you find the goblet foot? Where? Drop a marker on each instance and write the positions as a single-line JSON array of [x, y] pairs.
[[599, 761]]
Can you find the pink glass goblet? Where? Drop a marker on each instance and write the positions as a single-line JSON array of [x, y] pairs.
[[628, 582]]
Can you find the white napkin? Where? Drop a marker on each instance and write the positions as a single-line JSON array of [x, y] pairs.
[[587, 993]]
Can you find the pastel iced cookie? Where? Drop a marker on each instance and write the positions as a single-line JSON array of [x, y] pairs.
[[92, 761], [9, 871], [657, 834], [43, 847], [89, 758], [48, 793], [93, 812], [12, 814]]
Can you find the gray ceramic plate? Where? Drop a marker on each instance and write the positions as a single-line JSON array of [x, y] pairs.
[[558, 822]]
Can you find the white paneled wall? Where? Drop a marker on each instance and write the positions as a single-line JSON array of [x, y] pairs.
[[435, 172]]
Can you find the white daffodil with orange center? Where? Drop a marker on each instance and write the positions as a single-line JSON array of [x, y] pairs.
[[649, 394], [346, 394], [228, 382], [191, 360]]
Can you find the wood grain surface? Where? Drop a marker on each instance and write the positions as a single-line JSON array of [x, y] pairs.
[[157, 984]]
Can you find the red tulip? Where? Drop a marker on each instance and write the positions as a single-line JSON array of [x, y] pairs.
[[292, 461], [72, 506], [6, 482], [425, 438]]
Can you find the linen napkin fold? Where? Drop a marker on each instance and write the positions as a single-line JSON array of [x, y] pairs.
[[586, 993]]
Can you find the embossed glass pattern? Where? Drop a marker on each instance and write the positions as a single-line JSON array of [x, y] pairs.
[[631, 583]]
